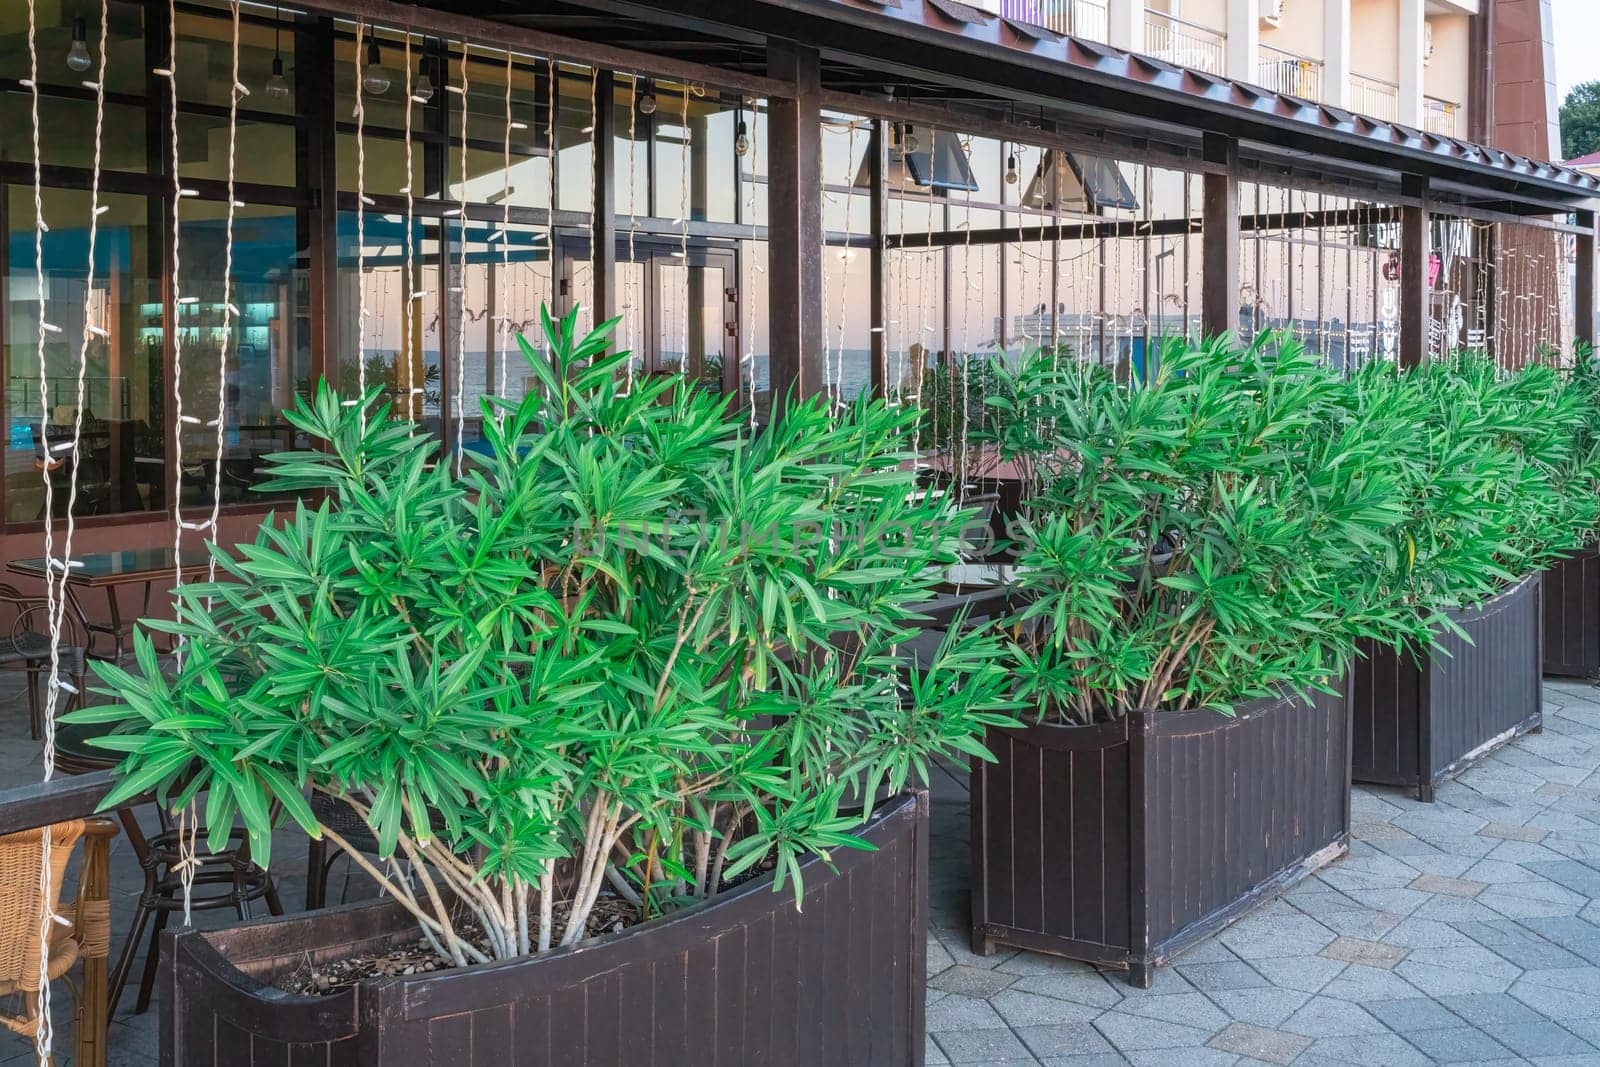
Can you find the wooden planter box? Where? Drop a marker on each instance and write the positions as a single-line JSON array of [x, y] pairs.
[[1572, 616], [746, 979], [1421, 719], [1123, 844]]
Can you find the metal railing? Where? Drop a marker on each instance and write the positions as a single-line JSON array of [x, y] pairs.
[[1185, 44], [1076, 18], [1374, 97], [1287, 72], [1443, 117]]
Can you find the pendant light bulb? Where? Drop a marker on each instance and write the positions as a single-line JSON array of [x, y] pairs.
[[376, 80], [741, 141], [277, 84], [422, 88], [78, 57], [647, 104], [912, 144], [1011, 169]]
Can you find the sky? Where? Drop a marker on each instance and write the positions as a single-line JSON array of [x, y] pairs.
[[1577, 29]]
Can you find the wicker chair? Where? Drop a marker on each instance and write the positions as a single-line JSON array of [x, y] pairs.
[[86, 940]]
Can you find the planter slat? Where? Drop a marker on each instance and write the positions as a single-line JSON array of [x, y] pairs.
[[1428, 720], [746, 979], [1177, 823], [1572, 615]]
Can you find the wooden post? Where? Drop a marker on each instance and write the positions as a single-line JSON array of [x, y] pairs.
[[1583, 282], [1219, 300], [878, 268], [1413, 271], [794, 200], [603, 241]]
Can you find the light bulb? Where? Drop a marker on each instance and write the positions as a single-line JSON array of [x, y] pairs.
[[78, 55], [376, 80], [741, 142], [422, 88], [912, 144], [277, 84], [647, 104], [1011, 170]]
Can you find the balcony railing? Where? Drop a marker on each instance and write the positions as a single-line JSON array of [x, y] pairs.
[[1184, 44], [1443, 117], [1285, 72], [1076, 18], [1374, 97]]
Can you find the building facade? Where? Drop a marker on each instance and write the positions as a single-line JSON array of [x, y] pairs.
[[801, 196]]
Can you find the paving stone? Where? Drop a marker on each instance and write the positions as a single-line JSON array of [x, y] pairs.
[[1209, 976], [1259, 1043], [1261, 937], [1486, 1009], [1188, 1009], [971, 981], [1460, 969], [1091, 988], [1305, 974], [1365, 984], [1539, 1039], [1325, 1017], [1413, 1013], [935, 1056], [1263, 1007], [938, 958], [1366, 953], [1510, 832], [1019, 1008], [1070, 1039], [1130, 1032], [1455, 887], [1363, 1050], [1568, 993], [1461, 1044], [955, 1012], [983, 1046], [1182, 1057]]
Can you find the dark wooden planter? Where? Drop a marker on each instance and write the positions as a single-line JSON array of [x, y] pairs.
[[1422, 717], [1572, 616], [1123, 844], [746, 979]]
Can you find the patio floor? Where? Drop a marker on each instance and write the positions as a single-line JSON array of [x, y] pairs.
[[1467, 931]]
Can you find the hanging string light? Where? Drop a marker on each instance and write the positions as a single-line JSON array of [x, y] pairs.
[[362, 200], [749, 346], [459, 290], [410, 296], [631, 294], [683, 217], [503, 319], [845, 254]]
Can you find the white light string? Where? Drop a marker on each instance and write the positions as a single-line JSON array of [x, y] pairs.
[[228, 312], [409, 293], [844, 258], [631, 294], [550, 149], [503, 319], [361, 234], [749, 339], [459, 290], [594, 201], [683, 225]]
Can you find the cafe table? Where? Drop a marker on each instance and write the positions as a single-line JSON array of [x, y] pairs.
[[113, 571]]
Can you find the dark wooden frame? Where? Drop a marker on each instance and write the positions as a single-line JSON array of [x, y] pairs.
[[1422, 717], [1124, 843], [747, 978]]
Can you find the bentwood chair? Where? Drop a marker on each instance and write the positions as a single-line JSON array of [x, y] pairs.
[[25, 646], [83, 938]]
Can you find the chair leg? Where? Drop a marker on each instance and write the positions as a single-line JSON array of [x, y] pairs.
[[316, 874], [130, 949], [152, 958], [35, 720], [274, 904]]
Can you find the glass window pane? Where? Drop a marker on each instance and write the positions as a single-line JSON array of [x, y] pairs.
[[697, 183], [261, 364], [204, 62], [264, 152], [122, 143], [125, 68], [123, 450]]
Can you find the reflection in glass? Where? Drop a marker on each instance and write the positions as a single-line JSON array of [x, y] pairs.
[[122, 443], [266, 360]]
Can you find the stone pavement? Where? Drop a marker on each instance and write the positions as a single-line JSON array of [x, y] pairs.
[[1465, 931]]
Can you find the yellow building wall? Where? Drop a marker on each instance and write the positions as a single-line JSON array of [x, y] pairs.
[[1375, 39]]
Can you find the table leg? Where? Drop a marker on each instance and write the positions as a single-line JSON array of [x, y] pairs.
[[82, 617]]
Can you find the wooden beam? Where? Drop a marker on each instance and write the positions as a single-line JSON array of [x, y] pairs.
[[1414, 273], [1583, 281], [794, 210], [603, 241], [1219, 211]]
